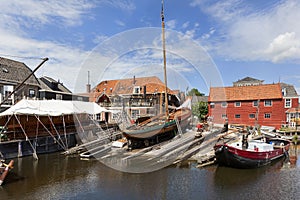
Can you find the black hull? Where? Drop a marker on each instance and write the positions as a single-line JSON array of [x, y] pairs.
[[226, 158], [21, 148]]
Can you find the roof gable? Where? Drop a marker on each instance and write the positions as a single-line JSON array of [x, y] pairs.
[[254, 92], [50, 84], [14, 72], [288, 90]]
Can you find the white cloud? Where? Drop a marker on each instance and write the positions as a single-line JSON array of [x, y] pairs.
[[269, 34], [126, 5], [120, 23], [171, 24], [30, 13], [185, 25], [284, 47]]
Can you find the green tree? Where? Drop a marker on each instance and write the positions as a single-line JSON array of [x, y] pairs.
[[200, 110], [194, 92]]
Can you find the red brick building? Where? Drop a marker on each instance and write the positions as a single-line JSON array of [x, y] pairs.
[[257, 104]]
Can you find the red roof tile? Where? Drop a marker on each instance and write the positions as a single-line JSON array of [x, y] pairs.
[[266, 91], [125, 86]]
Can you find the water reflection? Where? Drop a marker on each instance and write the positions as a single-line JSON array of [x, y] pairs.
[[55, 176]]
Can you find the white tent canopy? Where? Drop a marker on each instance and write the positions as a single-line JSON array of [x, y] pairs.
[[53, 108]]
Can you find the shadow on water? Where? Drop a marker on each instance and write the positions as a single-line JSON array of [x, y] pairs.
[[231, 177]]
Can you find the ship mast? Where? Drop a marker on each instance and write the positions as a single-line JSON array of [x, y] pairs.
[[164, 56]]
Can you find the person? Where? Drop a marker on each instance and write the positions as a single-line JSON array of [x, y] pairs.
[[295, 139], [199, 127]]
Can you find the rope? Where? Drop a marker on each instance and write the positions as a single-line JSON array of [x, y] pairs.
[[65, 132], [59, 138], [34, 150], [50, 133]]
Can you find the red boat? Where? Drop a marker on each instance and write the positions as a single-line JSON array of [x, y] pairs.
[[251, 154]]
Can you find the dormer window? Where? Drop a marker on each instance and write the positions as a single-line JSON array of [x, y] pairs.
[[283, 92], [5, 70], [136, 90]]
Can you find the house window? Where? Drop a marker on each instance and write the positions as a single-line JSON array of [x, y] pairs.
[[237, 116], [224, 116], [58, 97], [268, 102], [255, 103], [136, 90], [288, 103], [212, 105], [135, 114], [251, 116], [267, 115], [238, 104], [31, 93], [224, 104]]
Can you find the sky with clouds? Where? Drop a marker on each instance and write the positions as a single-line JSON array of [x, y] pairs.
[[208, 42]]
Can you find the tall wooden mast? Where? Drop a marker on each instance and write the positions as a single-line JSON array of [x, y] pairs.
[[164, 56]]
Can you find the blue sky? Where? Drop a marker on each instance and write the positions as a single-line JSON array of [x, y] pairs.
[[209, 42]]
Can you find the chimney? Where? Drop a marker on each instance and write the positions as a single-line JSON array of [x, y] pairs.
[[133, 80], [88, 85], [88, 88]]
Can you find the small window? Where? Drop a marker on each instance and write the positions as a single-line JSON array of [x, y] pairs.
[[251, 116], [224, 104], [255, 103], [58, 97], [288, 103], [136, 90], [224, 116], [238, 104], [237, 116], [268, 102], [267, 115], [135, 114], [31, 93], [212, 105]]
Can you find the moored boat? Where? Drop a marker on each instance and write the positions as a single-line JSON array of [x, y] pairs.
[[163, 124], [4, 169], [158, 125], [251, 154]]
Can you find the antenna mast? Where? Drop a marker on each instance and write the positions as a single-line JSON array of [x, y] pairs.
[[164, 56]]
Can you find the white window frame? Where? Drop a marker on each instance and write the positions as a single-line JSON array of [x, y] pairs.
[[58, 96], [255, 102], [288, 104], [31, 93], [265, 103], [136, 90], [240, 104], [224, 104], [267, 115]]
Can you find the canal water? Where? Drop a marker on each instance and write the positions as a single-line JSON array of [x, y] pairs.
[[55, 176]]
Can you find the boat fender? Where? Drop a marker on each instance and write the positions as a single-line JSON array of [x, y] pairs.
[[281, 144]]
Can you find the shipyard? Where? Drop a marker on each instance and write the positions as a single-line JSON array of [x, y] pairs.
[[160, 109]]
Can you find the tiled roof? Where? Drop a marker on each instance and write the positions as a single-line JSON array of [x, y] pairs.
[[125, 86], [293, 110], [255, 92], [14, 72]]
